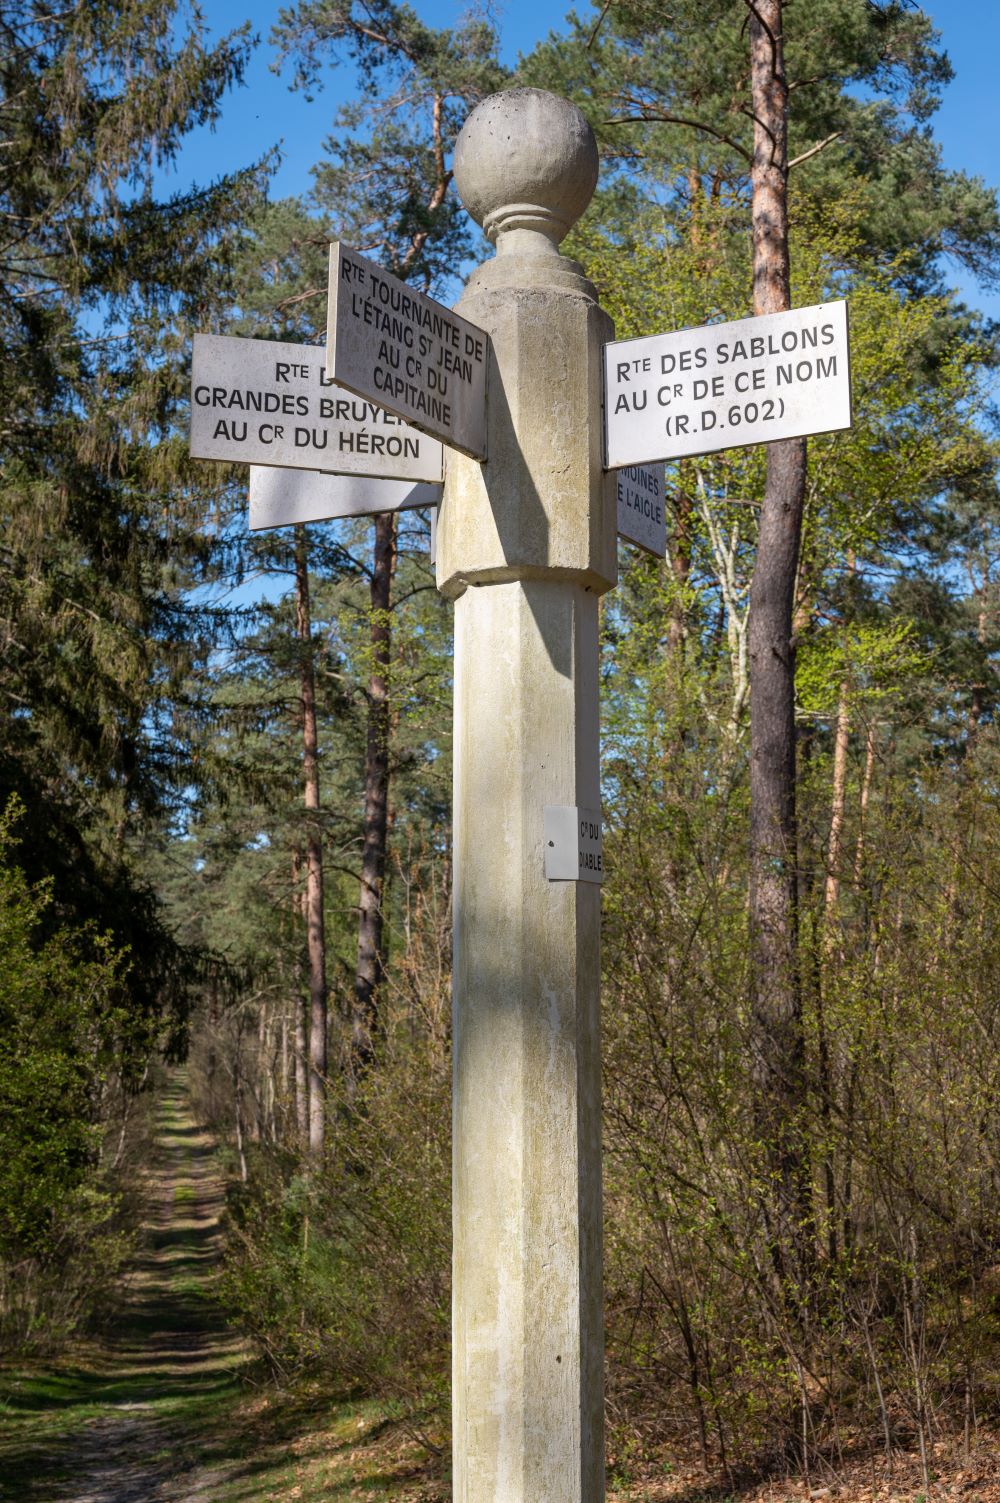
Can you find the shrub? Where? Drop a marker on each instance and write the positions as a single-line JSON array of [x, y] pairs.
[[62, 1238]]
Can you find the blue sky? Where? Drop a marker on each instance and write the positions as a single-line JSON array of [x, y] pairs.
[[265, 112]]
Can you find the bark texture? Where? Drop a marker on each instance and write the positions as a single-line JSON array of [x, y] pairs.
[[315, 936], [371, 926], [300, 1009], [679, 555], [838, 795], [778, 1047]]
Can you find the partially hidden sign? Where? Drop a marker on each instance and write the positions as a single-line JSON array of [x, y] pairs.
[[280, 498], [407, 352], [642, 517], [259, 401], [783, 375], [574, 848]]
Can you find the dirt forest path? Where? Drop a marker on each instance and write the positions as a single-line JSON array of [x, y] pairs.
[[158, 1412], [132, 1420]]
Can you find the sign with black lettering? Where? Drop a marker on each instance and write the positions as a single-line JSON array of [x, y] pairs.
[[280, 498], [574, 850], [642, 517], [257, 401], [407, 352], [752, 381]]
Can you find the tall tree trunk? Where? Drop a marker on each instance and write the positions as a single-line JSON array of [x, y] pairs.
[[238, 1099], [285, 1069], [838, 797], [838, 807], [679, 555], [977, 699], [679, 561], [866, 786], [778, 1050], [371, 955], [315, 938], [213, 1025], [301, 1014], [265, 1082]]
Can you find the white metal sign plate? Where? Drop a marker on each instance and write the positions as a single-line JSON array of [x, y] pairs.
[[642, 517], [407, 352], [574, 850], [259, 401], [279, 498], [753, 381]]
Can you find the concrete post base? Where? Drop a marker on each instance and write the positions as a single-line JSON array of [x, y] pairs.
[[528, 1338]]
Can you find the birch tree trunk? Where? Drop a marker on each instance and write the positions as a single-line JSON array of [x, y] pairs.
[[838, 795], [315, 937]]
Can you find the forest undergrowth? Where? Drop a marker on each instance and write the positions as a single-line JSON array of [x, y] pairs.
[[168, 1402], [226, 766]]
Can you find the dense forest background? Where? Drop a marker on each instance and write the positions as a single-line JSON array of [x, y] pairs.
[[224, 761]]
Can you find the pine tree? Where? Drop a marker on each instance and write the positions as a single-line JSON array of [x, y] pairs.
[[677, 107], [102, 281], [390, 194]]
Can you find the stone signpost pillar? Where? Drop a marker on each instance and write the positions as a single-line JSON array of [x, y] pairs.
[[526, 545]]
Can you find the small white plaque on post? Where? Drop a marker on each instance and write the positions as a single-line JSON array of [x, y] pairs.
[[642, 517], [752, 381], [407, 352], [574, 850]]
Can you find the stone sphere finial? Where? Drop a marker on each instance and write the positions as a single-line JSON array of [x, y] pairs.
[[526, 161]]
